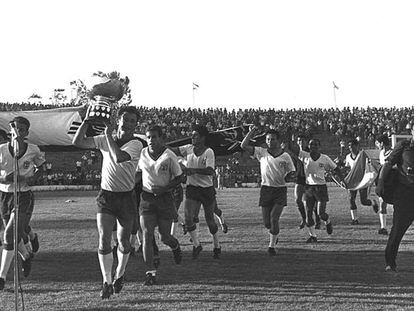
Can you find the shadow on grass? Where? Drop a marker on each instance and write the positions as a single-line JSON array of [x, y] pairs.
[[63, 224], [241, 267]]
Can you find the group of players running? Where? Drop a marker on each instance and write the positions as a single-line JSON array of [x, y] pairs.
[[141, 189]]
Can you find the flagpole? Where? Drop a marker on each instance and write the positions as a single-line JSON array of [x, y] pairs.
[[335, 87], [195, 88], [193, 96]]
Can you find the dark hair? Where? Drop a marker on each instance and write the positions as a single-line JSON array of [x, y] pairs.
[[353, 141], [200, 129], [128, 109], [155, 128], [316, 140], [384, 139], [22, 120], [273, 132]]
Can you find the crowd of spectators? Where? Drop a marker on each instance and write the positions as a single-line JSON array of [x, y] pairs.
[[25, 106], [362, 123], [366, 123], [347, 122]]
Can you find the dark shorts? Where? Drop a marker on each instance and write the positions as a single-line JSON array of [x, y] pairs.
[[269, 196], [318, 193], [121, 205], [25, 199], [160, 205], [204, 195]]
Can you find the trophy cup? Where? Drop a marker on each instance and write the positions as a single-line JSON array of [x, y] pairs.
[[99, 111], [106, 91]]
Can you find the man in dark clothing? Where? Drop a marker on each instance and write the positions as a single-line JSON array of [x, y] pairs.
[[403, 157]]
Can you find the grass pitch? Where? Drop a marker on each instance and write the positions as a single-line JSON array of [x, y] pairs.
[[344, 271]]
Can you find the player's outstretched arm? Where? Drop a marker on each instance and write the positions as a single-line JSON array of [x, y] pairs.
[[80, 140], [245, 144]]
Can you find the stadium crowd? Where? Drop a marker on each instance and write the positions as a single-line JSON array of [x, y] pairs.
[[366, 123]]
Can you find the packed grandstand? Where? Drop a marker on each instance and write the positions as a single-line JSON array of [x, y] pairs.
[[329, 125]]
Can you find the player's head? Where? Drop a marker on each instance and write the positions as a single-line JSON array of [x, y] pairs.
[[314, 145], [273, 138], [382, 141], [302, 141], [199, 134], [127, 119], [155, 138], [353, 145], [22, 126]]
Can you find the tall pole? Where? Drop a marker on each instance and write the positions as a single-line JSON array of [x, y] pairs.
[[335, 87], [194, 96], [195, 88], [15, 145]]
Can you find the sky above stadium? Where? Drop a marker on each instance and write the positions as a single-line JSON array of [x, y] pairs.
[[242, 54]]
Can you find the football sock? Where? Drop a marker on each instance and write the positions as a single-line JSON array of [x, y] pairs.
[[152, 272], [383, 220], [106, 261], [273, 240], [216, 241], [122, 262], [173, 227], [220, 218], [354, 214], [6, 259], [194, 237], [312, 231]]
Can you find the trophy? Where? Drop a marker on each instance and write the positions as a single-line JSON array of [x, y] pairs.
[[104, 96], [99, 111]]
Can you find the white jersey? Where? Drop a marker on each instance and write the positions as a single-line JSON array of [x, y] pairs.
[[32, 158], [160, 171], [118, 177], [206, 159], [350, 160], [273, 169], [383, 155], [315, 170]]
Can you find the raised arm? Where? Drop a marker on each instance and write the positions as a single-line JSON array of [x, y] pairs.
[[246, 141], [116, 152], [80, 140]]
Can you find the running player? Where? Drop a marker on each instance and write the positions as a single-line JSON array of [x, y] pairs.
[[161, 173], [200, 162], [30, 161], [316, 165], [275, 165], [350, 161], [116, 201]]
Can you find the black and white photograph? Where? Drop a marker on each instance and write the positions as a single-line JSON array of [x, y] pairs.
[[206, 155]]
